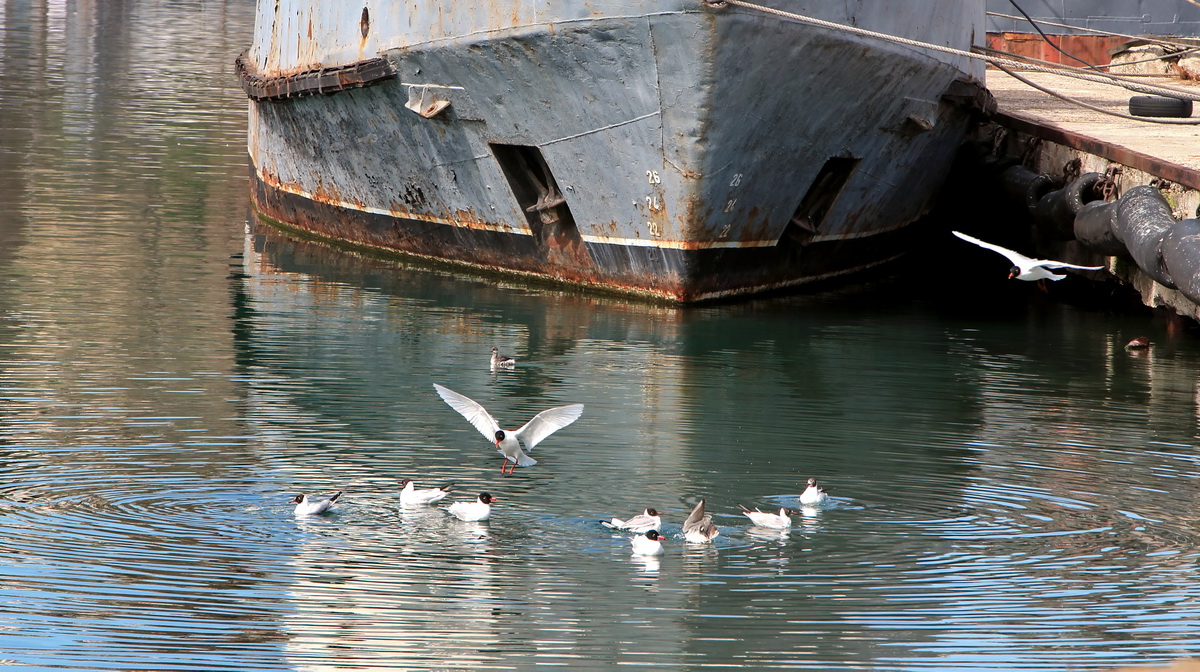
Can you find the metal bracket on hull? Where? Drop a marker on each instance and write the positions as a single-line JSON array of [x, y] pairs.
[[424, 101]]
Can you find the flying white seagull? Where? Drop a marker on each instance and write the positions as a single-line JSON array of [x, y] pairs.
[[509, 442], [1025, 268]]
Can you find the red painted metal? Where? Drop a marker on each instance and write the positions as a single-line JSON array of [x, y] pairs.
[[1094, 49]]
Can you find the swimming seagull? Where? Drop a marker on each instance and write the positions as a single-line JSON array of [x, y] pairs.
[[480, 509], [1025, 268], [698, 528], [778, 521], [648, 520], [649, 543], [309, 507], [509, 443], [411, 496], [813, 494], [500, 361]]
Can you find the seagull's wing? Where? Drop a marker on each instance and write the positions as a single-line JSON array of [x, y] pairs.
[[474, 413], [697, 518], [1047, 263], [1016, 258], [548, 422]]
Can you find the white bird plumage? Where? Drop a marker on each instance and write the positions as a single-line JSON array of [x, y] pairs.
[[698, 528], [1027, 268], [509, 442], [813, 494], [642, 522], [411, 496], [312, 507], [480, 509], [647, 543], [778, 521]]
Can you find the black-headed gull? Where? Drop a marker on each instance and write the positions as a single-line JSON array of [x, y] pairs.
[[312, 507], [647, 520], [778, 521], [500, 361], [509, 442], [411, 496], [480, 509], [1026, 268], [698, 528], [648, 543], [813, 494]]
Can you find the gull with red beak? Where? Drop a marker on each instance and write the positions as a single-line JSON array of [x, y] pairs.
[[1026, 268], [509, 442]]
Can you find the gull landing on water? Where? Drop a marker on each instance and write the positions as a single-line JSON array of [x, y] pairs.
[[311, 507], [813, 494], [1026, 268], [499, 361], [509, 442]]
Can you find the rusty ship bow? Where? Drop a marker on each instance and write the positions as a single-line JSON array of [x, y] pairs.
[[679, 150]]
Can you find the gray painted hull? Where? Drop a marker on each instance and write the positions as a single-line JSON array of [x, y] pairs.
[[684, 152]]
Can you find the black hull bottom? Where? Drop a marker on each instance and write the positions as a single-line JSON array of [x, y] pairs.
[[671, 274]]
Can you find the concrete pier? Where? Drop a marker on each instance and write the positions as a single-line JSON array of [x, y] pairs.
[[1053, 136]]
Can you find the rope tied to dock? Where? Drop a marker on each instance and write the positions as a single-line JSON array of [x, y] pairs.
[[1101, 78]]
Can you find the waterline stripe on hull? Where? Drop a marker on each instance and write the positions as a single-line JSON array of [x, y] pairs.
[[678, 244]]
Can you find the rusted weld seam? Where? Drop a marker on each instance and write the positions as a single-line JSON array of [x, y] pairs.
[[603, 128]]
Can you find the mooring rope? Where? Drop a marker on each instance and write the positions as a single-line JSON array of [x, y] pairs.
[[1076, 101], [1100, 78]]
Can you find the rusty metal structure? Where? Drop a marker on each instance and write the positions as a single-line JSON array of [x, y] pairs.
[[682, 149]]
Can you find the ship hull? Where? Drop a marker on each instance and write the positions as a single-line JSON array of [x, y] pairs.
[[686, 155]]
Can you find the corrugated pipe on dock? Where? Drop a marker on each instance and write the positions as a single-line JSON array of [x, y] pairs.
[[1138, 225]]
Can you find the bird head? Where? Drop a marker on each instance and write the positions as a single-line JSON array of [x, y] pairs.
[[499, 437]]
